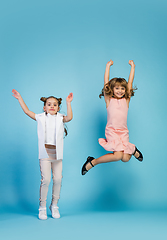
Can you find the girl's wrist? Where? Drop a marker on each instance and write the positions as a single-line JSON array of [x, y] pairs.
[[19, 97]]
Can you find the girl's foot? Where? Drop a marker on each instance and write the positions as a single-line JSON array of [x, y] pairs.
[[138, 155], [42, 213], [89, 160], [55, 211]]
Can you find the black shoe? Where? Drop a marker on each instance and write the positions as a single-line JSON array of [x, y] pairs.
[[140, 158], [84, 170]]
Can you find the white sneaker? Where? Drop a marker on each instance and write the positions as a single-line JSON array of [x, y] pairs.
[[54, 210], [42, 213]]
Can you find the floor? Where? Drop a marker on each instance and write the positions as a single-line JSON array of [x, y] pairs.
[[85, 225]]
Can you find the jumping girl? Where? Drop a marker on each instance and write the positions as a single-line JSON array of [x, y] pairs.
[[50, 143], [117, 94]]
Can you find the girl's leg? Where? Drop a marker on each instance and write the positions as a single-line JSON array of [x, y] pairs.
[[45, 168], [126, 157], [57, 177], [110, 157]]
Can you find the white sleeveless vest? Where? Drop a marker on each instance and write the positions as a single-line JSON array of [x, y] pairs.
[[40, 118]]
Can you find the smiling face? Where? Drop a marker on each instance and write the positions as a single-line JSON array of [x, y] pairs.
[[51, 106], [119, 91]]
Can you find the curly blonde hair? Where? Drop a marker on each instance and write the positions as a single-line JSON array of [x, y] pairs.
[[109, 88], [59, 100]]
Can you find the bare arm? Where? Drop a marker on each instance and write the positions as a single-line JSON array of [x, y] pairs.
[[107, 71], [106, 80], [69, 109], [131, 75], [17, 95]]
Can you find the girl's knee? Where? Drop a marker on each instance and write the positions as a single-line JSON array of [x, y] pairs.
[[45, 181], [126, 157], [57, 181], [118, 155]]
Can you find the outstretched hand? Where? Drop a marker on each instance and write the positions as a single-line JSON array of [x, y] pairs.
[[131, 63], [16, 94], [70, 97]]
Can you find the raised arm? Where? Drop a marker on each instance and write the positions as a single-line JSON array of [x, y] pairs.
[[106, 80], [131, 75], [107, 71], [69, 109], [17, 95]]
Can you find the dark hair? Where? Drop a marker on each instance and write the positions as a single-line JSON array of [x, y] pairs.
[[59, 100], [109, 88], [44, 99]]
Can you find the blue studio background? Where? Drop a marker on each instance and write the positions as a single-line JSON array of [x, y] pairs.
[[56, 47]]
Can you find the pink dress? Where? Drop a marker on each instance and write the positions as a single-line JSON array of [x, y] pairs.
[[116, 132]]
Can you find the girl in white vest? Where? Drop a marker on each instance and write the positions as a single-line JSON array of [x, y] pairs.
[[50, 127]]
